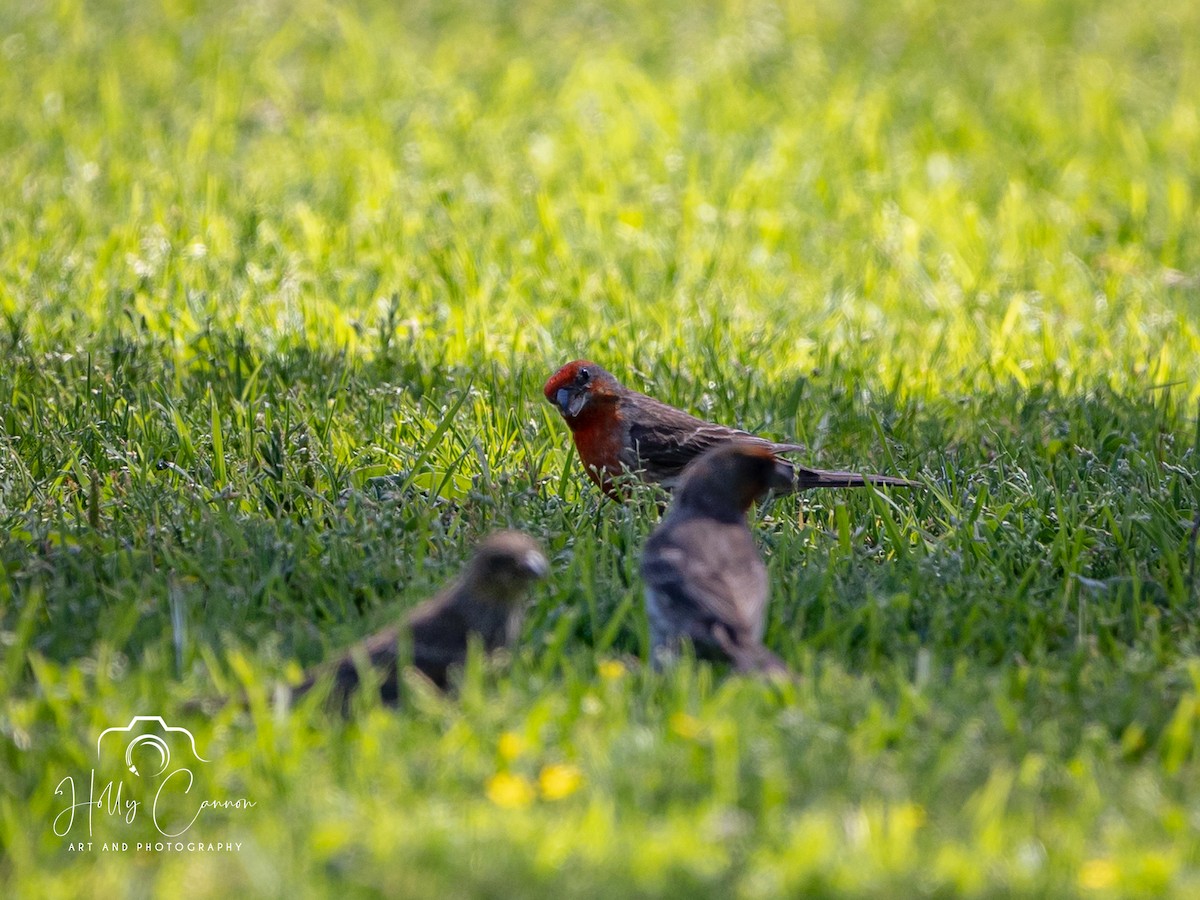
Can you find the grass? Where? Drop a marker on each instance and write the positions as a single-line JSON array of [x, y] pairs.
[[253, 256]]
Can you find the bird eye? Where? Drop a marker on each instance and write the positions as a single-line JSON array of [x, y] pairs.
[[584, 376]]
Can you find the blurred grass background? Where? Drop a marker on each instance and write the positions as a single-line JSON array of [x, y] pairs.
[[254, 254]]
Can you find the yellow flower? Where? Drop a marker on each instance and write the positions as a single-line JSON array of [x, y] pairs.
[[687, 727], [511, 746], [510, 791], [560, 780], [612, 669], [1098, 874]]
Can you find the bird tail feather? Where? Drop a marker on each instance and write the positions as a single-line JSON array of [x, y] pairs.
[[754, 659], [759, 661], [821, 478]]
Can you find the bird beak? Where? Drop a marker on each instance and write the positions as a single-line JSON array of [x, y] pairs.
[[570, 403], [535, 564]]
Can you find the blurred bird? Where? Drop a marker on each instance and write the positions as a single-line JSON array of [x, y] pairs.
[[486, 601], [705, 581], [616, 429]]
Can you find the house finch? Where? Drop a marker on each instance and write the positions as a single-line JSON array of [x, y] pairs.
[[616, 428], [705, 581], [486, 600]]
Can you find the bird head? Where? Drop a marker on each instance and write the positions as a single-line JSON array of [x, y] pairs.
[[576, 385], [507, 562], [726, 480]]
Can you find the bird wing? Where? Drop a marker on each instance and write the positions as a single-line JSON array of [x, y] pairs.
[[666, 439], [711, 574], [439, 634]]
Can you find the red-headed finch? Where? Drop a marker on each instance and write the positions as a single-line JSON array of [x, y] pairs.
[[486, 601], [705, 581], [617, 429]]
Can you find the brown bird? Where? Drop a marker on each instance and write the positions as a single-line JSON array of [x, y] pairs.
[[705, 581], [617, 429], [486, 601]]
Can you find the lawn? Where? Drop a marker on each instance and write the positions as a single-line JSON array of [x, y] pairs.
[[254, 256]]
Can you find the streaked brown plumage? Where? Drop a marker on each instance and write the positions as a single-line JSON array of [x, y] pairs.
[[705, 581], [617, 429], [485, 601]]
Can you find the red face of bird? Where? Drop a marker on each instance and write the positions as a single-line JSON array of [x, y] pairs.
[[506, 563], [731, 477], [576, 385]]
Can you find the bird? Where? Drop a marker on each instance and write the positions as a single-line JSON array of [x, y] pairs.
[[617, 429], [705, 581], [486, 601]]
